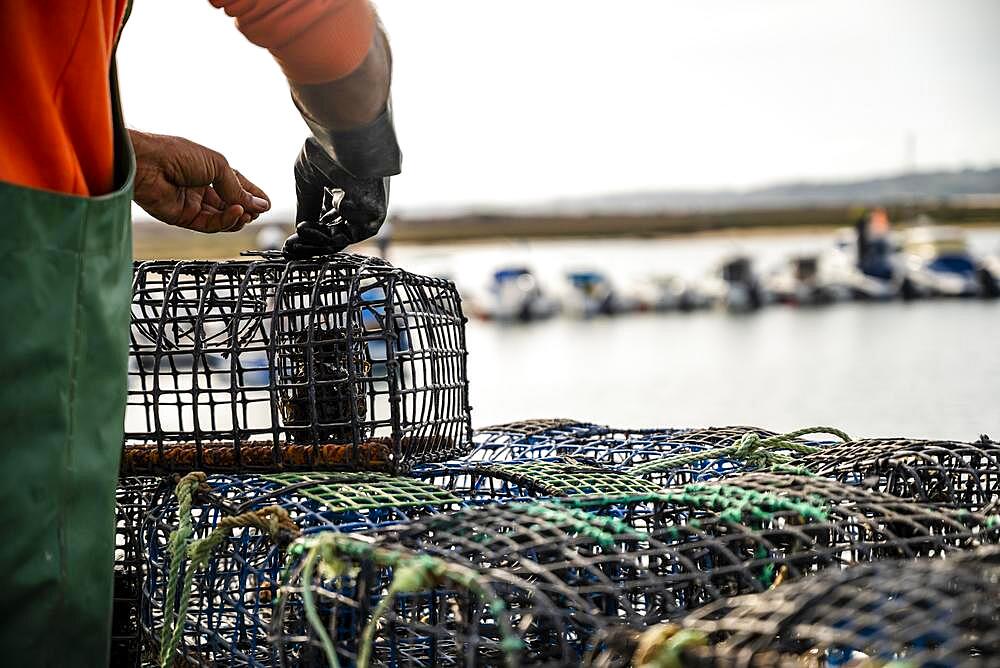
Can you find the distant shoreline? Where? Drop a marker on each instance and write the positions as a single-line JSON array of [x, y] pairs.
[[163, 241]]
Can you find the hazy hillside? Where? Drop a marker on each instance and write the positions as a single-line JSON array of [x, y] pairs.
[[899, 189]]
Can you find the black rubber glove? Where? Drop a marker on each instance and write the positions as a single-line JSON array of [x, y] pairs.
[[342, 201], [336, 209]]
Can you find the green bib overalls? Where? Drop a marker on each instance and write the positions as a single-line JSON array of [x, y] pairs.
[[65, 291]]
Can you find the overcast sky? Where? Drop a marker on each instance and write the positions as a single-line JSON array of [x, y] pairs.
[[524, 101]]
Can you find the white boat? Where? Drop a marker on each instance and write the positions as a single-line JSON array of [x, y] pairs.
[[802, 280], [938, 263], [514, 294], [659, 292], [874, 273], [589, 292], [733, 285]]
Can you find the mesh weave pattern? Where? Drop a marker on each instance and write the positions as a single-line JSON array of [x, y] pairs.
[[533, 479], [922, 613], [635, 450], [257, 364], [954, 474], [231, 599], [132, 502], [555, 576]]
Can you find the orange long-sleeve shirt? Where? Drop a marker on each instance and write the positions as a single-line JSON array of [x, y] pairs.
[[55, 102]]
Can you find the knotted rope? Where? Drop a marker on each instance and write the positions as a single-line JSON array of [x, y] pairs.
[[272, 521], [752, 449], [412, 573]]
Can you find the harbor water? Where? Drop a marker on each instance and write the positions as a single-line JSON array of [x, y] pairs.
[[926, 369]]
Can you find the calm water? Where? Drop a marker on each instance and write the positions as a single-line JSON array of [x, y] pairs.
[[927, 369]]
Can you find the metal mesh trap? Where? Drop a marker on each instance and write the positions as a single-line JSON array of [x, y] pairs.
[[540, 439], [230, 598], [132, 502], [512, 584], [342, 362], [546, 578], [666, 457], [920, 613], [532, 479], [751, 530], [949, 473]]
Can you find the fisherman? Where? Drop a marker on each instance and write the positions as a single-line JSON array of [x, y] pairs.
[[68, 171]]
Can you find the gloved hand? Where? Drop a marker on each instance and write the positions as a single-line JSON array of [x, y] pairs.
[[336, 208]]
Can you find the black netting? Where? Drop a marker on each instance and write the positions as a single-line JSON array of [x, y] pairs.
[[532, 479], [133, 497], [339, 362], [663, 456], [916, 613], [954, 474], [231, 597], [554, 576]]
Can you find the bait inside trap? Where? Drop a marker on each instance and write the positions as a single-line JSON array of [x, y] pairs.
[[341, 362]]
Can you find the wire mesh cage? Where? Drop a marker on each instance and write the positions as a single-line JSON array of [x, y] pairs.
[[666, 457], [555, 577], [341, 362], [231, 595], [511, 584], [906, 613], [133, 497], [539, 439], [787, 526], [533, 479], [950, 473]]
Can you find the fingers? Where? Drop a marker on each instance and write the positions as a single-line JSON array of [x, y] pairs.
[[235, 189], [209, 220], [250, 187]]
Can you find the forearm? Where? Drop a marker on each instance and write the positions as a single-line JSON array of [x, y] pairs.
[[354, 100]]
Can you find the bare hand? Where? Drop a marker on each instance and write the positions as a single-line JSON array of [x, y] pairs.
[[188, 185]]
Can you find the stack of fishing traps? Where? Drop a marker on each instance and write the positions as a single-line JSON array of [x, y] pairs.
[[301, 487]]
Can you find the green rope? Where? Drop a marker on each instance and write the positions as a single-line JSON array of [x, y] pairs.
[[734, 502], [588, 524], [312, 615], [420, 573], [412, 573], [751, 448], [173, 629], [271, 521]]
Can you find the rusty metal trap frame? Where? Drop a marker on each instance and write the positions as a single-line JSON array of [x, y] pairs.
[[133, 497], [555, 576], [666, 457], [230, 596], [923, 613], [949, 473], [532, 479], [339, 362]]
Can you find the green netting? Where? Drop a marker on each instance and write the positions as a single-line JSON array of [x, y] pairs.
[[357, 491], [735, 503], [570, 477]]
